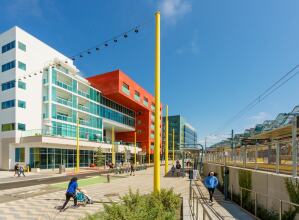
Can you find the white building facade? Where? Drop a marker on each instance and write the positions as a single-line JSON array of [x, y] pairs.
[[45, 102]]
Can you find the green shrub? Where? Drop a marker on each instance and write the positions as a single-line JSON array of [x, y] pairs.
[[133, 206]]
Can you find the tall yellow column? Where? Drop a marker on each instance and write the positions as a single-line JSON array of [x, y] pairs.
[[77, 146], [149, 153], [166, 141], [112, 148], [157, 109], [172, 146], [135, 159]]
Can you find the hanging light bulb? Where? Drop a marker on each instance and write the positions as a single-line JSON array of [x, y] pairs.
[[125, 35], [106, 45], [41, 71], [88, 52], [73, 59], [115, 40], [136, 30], [97, 48], [35, 74], [29, 75], [81, 55]]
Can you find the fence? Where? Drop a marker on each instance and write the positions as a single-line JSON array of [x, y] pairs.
[[278, 157]]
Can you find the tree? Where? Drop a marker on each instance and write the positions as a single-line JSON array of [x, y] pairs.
[[100, 157]]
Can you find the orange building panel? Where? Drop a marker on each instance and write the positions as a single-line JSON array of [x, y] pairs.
[[119, 87]]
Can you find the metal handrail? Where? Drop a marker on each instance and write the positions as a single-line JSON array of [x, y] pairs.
[[197, 195]]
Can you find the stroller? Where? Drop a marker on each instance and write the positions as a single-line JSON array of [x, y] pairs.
[[83, 198]]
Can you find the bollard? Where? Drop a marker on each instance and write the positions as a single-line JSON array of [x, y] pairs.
[[108, 178]]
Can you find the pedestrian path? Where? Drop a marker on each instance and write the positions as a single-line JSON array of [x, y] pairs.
[[36, 203], [221, 208]]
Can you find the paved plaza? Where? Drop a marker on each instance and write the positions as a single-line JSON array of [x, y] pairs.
[[39, 202]]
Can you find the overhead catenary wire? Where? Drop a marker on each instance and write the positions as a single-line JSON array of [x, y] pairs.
[[267, 92]]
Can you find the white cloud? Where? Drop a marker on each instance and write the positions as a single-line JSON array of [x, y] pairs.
[[171, 10], [215, 138]]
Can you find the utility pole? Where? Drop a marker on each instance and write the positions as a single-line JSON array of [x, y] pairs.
[[77, 146], [112, 148], [157, 109], [166, 141], [135, 161], [173, 146]]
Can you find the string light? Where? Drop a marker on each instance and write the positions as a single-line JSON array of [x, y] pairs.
[[114, 39]]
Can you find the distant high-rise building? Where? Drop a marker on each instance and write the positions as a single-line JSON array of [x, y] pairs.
[[184, 133]]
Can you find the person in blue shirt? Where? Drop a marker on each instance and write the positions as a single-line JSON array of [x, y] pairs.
[[211, 183], [71, 193]]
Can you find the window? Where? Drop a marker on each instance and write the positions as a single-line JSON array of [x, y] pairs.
[[126, 89], [145, 101], [8, 104], [21, 65], [21, 127], [8, 127], [137, 96], [21, 46], [8, 46], [21, 104], [8, 85], [20, 155], [8, 66], [21, 85]]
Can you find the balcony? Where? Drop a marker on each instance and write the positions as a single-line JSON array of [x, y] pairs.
[[83, 108], [64, 101], [63, 117], [85, 94], [64, 85]]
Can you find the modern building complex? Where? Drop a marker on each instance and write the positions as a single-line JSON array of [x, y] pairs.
[[184, 133], [45, 103], [119, 87]]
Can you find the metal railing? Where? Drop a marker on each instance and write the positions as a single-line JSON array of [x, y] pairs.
[[252, 196], [196, 200], [277, 157]]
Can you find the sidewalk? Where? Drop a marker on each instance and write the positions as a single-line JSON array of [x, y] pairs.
[[224, 209], [39, 202], [43, 206]]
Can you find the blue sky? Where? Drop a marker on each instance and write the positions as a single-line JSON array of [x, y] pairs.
[[216, 55]]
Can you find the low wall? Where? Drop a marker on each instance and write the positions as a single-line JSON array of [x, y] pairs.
[[264, 183]]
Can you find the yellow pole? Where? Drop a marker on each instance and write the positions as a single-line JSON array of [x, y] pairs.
[[135, 161], [157, 109], [166, 141], [112, 148], [149, 153], [172, 146], [77, 146]]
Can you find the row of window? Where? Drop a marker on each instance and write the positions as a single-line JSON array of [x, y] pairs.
[[126, 90], [13, 126], [12, 45], [12, 103], [11, 84], [114, 105], [12, 64]]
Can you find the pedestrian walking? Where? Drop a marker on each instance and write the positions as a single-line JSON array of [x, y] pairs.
[[16, 169], [132, 169], [172, 170], [21, 171], [211, 183], [71, 193]]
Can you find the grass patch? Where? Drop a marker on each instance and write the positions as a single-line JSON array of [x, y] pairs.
[[82, 182]]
